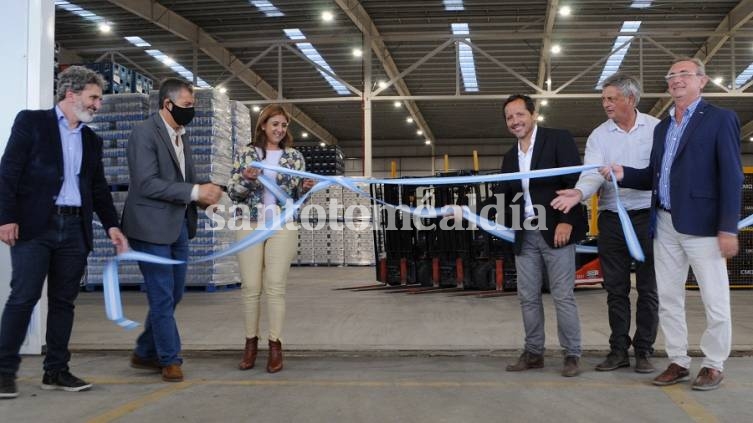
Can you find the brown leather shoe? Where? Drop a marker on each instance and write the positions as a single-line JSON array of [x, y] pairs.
[[708, 379], [527, 361], [571, 368], [274, 359], [249, 354], [172, 373], [674, 374], [145, 363]]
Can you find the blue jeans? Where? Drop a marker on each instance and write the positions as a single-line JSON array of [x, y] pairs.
[[60, 255], [164, 285]]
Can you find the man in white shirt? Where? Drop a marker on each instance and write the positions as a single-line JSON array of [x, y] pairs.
[[626, 137]]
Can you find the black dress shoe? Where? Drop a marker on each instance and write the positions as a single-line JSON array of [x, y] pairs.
[[615, 359], [643, 364]]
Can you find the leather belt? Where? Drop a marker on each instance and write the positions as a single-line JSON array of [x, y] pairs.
[[68, 210]]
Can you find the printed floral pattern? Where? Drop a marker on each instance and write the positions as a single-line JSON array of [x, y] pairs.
[[242, 190]]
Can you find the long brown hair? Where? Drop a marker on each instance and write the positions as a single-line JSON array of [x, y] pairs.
[[260, 138]]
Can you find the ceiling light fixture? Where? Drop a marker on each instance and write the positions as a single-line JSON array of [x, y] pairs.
[[409, 119], [357, 52], [556, 49], [304, 134], [565, 11], [328, 16], [105, 27]]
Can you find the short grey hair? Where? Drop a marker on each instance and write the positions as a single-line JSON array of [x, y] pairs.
[[170, 88], [696, 61], [76, 78], [627, 85]]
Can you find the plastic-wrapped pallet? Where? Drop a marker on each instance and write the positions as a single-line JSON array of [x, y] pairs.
[[113, 122], [358, 235], [305, 254], [241, 120], [210, 135], [103, 251], [327, 160], [213, 273]]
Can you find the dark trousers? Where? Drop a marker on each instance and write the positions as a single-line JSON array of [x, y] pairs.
[[164, 284], [60, 255], [615, 264]]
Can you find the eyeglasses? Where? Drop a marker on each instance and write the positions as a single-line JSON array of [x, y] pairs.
[[682, 75]]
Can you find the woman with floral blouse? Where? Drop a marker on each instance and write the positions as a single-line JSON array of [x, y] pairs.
[[264, 267]]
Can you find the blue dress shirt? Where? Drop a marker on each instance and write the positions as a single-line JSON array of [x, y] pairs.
[[73, 151]]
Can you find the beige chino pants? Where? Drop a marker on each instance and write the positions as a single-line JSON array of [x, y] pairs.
[[264, 269]]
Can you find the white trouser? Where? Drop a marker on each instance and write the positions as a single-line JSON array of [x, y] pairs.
[[673, 252]]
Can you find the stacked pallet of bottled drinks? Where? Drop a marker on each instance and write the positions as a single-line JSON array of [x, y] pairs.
[[113, 122], [336, 229], [210, 138], [240, 117]]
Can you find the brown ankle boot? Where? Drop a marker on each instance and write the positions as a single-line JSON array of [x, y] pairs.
[[274, 359], [249, 354]]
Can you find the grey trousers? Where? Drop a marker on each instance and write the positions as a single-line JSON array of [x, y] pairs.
[[560, 267]]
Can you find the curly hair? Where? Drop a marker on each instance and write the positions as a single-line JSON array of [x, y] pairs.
[[76, 78]]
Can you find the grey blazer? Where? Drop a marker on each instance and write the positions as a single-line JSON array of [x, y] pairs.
[[158, 196]]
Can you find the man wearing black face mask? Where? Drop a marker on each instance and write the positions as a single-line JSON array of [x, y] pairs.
[[159, 218]]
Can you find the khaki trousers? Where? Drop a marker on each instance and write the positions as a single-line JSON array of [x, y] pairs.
[[264, 269]]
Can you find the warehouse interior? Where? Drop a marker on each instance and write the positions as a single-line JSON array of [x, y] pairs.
[[394, 89]]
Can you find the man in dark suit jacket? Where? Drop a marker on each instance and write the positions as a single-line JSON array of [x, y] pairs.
[[51, 180], [696, 178], [159, 218], [543, 236]]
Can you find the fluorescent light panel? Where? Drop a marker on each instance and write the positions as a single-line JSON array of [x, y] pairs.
[[176, 67], [137, 41], [453, 5], [614, 61], [641, 4], [467, 64], [309, 51], [77, 10], [267, 8], [744, 76]]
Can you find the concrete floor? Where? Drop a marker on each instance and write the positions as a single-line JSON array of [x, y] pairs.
[[375, 356]]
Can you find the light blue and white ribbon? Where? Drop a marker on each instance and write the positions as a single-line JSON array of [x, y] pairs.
[[113, 304]]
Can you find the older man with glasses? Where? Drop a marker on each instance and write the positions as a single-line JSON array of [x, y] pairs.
[[696, 177]]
